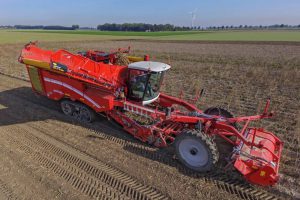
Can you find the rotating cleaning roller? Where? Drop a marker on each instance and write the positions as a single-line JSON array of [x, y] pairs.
[[259, 161]]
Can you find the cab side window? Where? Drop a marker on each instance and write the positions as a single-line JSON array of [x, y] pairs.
[[138, 81]]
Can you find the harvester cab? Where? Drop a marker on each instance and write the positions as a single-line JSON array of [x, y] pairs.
[[144, 80]]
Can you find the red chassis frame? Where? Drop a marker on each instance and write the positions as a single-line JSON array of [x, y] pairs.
[[213, 125], [256, 152]]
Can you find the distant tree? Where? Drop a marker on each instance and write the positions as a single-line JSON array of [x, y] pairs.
[[58, 28], [140, 27], [28, 27], [75, 26]]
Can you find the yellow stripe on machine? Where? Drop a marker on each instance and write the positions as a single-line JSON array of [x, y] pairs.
[[35, 79], [36, 63], [135, 58], [40, 64]]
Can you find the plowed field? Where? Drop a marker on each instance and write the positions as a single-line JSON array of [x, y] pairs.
[[46, 155]]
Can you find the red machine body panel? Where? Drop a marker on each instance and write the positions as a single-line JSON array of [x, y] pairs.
[[75, 66], [260, 164], [57, 87]]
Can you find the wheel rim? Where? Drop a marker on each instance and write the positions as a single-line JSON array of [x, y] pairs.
[[66, 108], [85, 115], [193, 152]]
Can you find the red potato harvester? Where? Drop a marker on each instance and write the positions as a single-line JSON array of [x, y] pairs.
[[91, 82]]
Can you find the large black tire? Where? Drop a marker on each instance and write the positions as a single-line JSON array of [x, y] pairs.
[[86, 114], [67, 107], [196, 150], [78, 110], [220, 112], [221, 143]]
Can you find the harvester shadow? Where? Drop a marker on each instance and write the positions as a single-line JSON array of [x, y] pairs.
[[167, 157], [21, 105]]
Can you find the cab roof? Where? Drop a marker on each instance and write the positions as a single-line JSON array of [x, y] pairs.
[[149, 66]]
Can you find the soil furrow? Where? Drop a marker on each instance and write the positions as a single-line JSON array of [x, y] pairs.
[[6, 192], [81, 160]]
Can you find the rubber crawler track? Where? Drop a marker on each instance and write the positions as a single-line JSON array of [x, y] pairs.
[[223, 181]]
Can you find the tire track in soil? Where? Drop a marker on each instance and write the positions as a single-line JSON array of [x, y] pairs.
[[225, 182], [83, 183], [6, 192], [83, 172], [31, 169], [221, 180]]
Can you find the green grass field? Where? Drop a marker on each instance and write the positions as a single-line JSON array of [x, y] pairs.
[[21, 36], [11, 37], [118, 33]]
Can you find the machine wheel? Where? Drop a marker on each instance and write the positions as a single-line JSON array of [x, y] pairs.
[[84, 113], [221, 143], [220, 112], [78, 111], [67, 107], [196, 150]]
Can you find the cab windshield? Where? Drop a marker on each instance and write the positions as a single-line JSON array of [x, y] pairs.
[[143, 85]]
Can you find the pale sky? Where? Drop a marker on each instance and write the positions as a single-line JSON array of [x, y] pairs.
[[94, 12]]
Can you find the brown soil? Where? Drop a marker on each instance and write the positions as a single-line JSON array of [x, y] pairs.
[[45, 155]]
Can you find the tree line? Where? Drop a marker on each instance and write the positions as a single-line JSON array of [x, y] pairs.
[[252, 27], [141, 27], [138, 27], [73, 27]]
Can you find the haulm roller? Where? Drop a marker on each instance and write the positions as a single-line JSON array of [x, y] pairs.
[[127, 90]]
